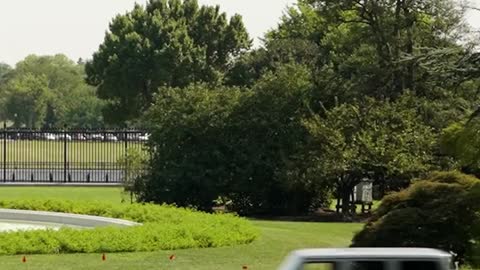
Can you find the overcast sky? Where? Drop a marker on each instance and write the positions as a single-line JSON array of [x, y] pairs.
[[77, 27]]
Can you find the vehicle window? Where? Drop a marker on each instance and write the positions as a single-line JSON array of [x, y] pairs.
[[419, 265], [319, 266], [368, 265]]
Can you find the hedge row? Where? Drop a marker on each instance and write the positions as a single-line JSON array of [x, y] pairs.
[[164, 228]]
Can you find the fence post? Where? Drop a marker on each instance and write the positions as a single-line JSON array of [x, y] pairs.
[[4, 152], [64, 155], [125, 169]]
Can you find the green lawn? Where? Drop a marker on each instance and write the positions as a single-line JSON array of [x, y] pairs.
[[109, 194], [278, 238], [53, 151], [276, 241]]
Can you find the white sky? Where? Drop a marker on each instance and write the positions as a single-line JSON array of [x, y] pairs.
[[77, 27]]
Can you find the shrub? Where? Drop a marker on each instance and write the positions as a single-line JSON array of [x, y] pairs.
[[134, 163], [439, 212], [245, 145], [164, 228]]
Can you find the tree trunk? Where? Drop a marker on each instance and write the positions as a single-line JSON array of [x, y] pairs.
[[345, 194]]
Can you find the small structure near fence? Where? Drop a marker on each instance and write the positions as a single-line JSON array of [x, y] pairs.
[[66, 156], [362, 194]]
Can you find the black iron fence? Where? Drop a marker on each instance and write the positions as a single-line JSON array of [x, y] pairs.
[[62, 156]]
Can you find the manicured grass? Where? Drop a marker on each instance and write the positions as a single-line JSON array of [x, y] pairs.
[[23, 151], [106, 194], [277, 239]]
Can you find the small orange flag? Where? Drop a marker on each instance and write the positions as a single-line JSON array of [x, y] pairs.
[[24, 259], [172, 257], [104, 258]]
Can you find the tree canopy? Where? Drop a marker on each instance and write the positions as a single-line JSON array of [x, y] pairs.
[[340, 91], [381, 141], [165, 43], [361, 47], [4, 71], [52, 91]]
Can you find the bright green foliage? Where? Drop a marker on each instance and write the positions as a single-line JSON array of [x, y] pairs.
[[461, 141], [166, 43], [440, 211], [134, 162], [111, 195], [266, 253], [164, 228], [382, 141]]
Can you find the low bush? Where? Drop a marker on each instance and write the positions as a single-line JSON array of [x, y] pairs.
[[440, 211], [164, 228]]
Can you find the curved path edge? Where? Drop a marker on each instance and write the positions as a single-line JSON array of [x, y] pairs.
[[63, 218]]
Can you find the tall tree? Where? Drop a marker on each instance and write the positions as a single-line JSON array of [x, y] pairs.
[[4, 71], [362, 43], [68, 95], [26, 103], [166, 43], [251, 66]]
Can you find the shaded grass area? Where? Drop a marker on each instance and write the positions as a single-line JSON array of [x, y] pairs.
[[276, 241]]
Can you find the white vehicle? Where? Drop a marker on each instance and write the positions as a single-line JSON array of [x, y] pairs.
[[144, 137], [50, 137], [57, 137], [368, 259], [97, 137], [111, 138]]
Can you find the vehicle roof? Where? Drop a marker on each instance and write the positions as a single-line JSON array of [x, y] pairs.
[[336, 253]]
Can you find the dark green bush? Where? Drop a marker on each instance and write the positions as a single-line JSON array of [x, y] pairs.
[[440, 211], [244, 145], [164, 228]]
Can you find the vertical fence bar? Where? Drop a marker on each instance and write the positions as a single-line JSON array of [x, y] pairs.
[[125, 169], [64, 155], [4, 152]]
